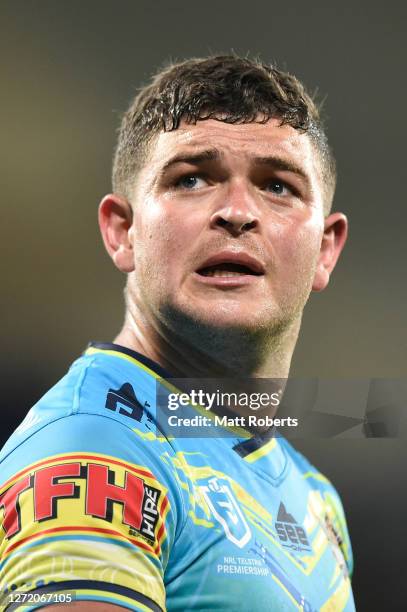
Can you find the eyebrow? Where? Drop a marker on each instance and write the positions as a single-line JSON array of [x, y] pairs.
[[280, 163], [193, 158], [273, 161]]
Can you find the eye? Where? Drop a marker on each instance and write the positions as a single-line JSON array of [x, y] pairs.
[[191, 181], [278, 187]]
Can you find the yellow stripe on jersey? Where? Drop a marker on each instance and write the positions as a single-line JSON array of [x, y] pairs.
[[261, 452]]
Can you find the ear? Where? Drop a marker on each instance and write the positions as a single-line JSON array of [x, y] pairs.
[[115, 222], [333, 241]]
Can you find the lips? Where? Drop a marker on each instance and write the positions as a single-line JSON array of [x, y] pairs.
[[227, 265]]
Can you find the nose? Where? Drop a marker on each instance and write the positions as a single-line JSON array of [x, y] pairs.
[[238, 213]]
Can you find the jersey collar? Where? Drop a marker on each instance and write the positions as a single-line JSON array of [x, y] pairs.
[[249, 446]]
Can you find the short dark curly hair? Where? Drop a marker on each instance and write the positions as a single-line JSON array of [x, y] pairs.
[[227, 88]]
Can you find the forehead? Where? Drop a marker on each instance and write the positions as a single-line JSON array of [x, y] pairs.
[[240, 142]]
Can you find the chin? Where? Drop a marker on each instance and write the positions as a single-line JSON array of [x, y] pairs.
[[232, 320], [221, 317]]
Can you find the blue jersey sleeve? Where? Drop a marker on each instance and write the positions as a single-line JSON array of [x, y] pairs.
[[88, 505]]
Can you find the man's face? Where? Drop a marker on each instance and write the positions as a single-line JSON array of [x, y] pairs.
[[228, 222]]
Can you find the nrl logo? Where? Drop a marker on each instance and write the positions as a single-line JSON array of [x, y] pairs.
[[225, 508]]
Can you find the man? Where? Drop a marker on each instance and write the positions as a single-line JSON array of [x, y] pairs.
[[220, 216]]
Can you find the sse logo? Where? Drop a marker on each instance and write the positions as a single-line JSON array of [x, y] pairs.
[[290, 533], [43, 495]]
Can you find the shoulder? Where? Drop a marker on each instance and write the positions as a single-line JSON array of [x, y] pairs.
[[86, 479], [96, 395], [99, 414]]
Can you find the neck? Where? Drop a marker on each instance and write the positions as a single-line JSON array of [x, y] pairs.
[[188, 349]]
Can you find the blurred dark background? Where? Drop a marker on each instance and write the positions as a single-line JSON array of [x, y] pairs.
[[68, 69]]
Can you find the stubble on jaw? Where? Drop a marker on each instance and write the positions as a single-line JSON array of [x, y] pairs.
[[189, 346], [241, 349]]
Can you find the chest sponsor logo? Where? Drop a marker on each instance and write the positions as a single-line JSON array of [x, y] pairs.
[[98, 488], [226, 510], [290, 533]]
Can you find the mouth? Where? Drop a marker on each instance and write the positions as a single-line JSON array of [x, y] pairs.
[[227, 270], [230, 270]]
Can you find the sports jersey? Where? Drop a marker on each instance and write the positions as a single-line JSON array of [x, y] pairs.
[[96, 500]]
